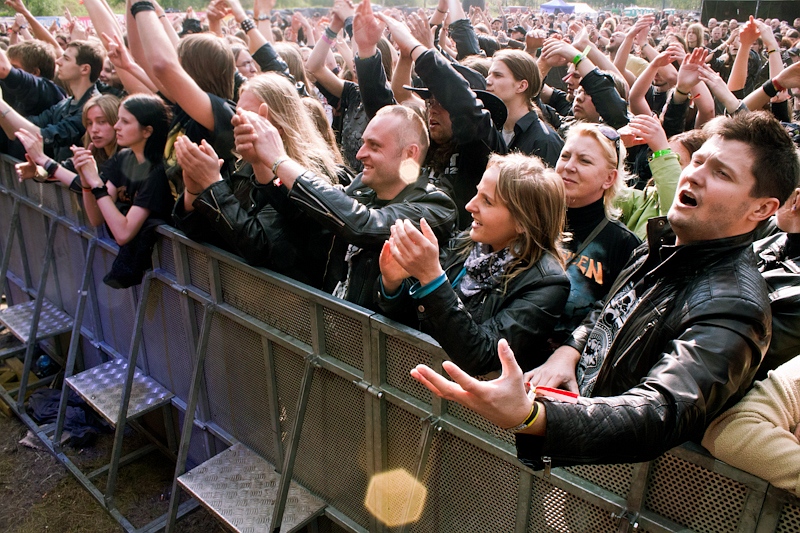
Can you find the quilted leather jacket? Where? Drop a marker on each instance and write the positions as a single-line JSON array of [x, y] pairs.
[[468, 329], [779, 263], [690, 346]]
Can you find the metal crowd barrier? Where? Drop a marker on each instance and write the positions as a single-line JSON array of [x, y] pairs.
[[364, 414]]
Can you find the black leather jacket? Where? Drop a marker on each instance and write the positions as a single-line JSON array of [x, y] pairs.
[[779, 263], [356, 216], [468, 329], [690, 346], [239, 215]]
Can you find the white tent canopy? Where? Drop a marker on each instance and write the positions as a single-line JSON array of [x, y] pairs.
[[584, 9]]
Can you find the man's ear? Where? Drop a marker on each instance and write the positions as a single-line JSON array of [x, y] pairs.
[[411, 151], [86, 69], [765, 208]]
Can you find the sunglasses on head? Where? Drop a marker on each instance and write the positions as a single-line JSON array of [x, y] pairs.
[[612, 135]]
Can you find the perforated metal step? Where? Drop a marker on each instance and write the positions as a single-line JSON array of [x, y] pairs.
[[240, 488], [102, 387], [52, 320]]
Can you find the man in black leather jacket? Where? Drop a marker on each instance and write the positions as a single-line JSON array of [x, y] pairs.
[[360, 216], [684, 328]]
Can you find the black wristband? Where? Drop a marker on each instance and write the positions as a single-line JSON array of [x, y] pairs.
[[140, 6], [247, 25], [51, 168], [100, 192], [769, 88]]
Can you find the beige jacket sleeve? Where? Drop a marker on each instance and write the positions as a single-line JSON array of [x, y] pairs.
[[760, 434]]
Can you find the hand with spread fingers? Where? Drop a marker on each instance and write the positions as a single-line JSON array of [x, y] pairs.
[[502, 401]]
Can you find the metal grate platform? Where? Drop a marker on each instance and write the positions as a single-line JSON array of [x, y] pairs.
[[102, 387], [240, 488], [52, 320]]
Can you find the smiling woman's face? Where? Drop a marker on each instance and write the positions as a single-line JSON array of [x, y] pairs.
[[585, 170]]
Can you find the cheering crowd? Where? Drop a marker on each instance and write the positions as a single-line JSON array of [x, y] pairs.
[[603, 206]]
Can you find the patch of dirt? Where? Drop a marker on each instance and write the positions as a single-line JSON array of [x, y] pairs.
[[38, 494]]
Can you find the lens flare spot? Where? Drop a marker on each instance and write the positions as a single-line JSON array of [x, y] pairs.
[[395, 497], [409, 171]]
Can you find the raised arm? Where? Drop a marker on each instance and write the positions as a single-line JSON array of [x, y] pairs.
[[747, 36], [133, 76], [316, 64], [636, 98], [175, 82], [39, 31], [638, 34]]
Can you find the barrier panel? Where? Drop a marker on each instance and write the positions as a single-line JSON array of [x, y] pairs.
[[363, 414]]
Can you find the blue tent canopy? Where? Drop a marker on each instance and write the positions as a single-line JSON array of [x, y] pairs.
[[552, 5]]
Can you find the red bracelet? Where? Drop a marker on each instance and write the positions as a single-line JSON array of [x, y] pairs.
[[777, 85]]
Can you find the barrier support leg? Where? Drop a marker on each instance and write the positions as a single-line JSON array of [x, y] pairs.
[[188, 420], [111, 483], [37, 311], [12, 230], [425, 441], [74, 342], [291, 452]]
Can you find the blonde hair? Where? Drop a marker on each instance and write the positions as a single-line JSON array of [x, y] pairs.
[[534, 195], [290, 53], [300, 137], [317, 114], [614, 159], [699, 32]]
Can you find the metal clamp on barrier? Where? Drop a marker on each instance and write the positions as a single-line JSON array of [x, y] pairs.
[[375, 391]]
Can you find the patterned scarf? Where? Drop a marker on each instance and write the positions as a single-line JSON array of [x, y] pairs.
[[484, 269]]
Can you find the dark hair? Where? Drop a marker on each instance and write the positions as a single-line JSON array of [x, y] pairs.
[[32, 55], [488, 44], [150, 110], [776, 167], [88, 53]]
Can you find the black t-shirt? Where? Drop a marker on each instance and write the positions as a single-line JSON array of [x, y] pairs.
[[594, 270], [220, 139], [141, 184]]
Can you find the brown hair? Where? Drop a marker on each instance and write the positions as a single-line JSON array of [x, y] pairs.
[[32, 55], [208, 59], [522, 67], [769, 142], [317, 114], [534, 195], [290, 53], [89, 53]]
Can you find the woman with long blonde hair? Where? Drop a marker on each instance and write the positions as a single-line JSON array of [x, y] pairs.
[[254, 219]]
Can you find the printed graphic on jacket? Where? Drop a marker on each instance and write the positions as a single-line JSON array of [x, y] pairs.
[[605, 331]]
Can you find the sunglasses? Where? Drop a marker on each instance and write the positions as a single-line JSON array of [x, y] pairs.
[[612, 135]]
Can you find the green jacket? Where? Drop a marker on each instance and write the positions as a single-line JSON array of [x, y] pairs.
[[655, 200]]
